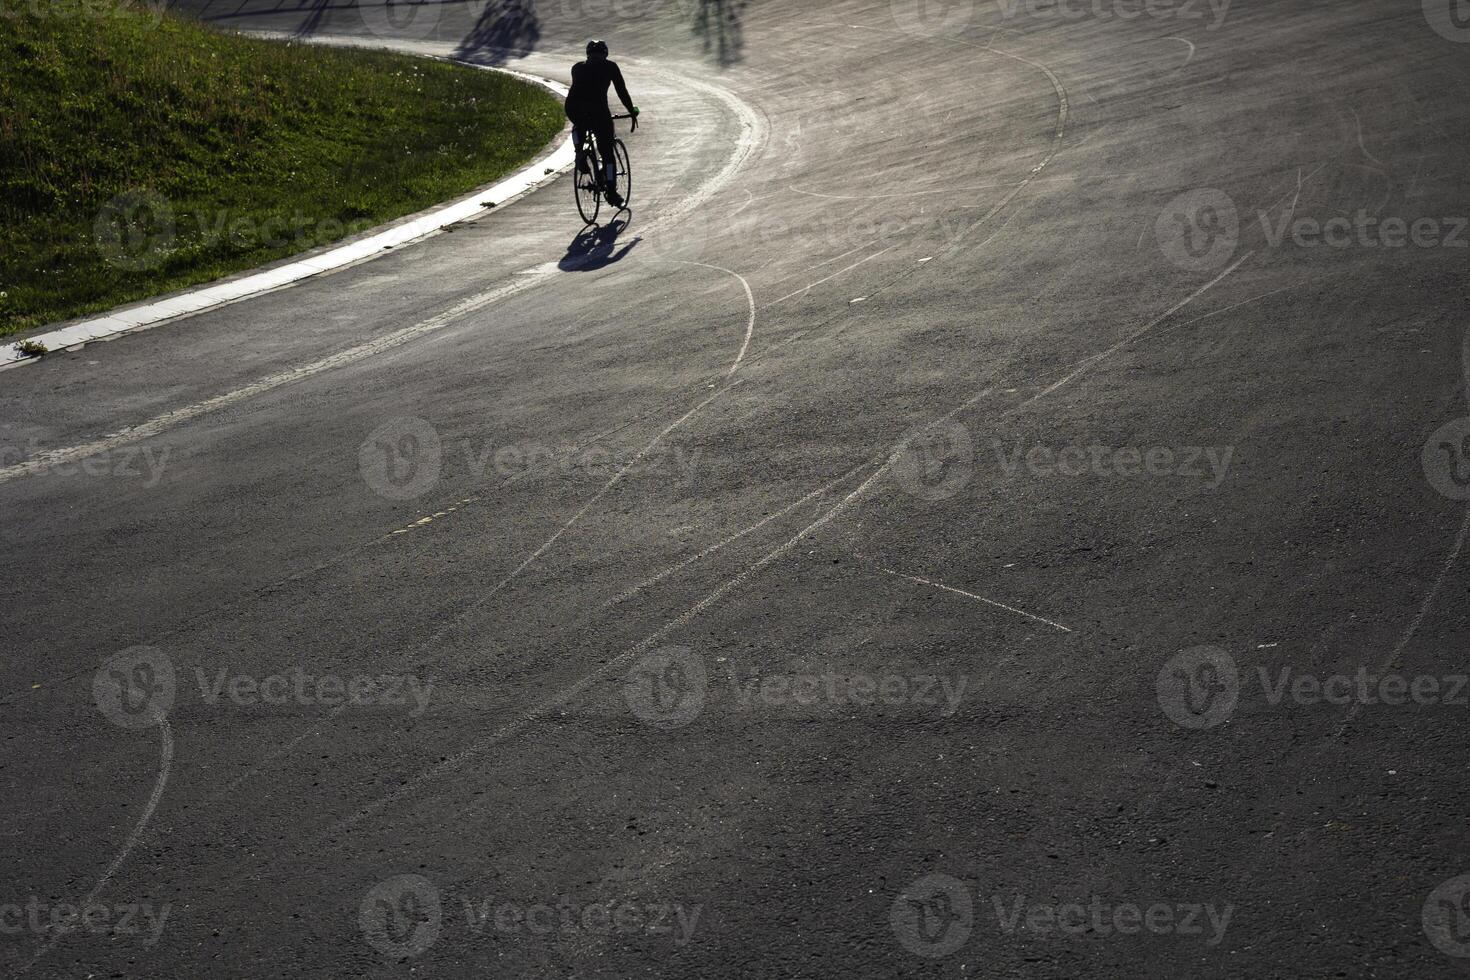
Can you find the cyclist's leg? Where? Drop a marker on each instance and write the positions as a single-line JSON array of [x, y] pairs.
[[605, 135], [577, 144]]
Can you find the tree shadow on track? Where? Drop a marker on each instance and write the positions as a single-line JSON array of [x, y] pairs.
[[596, 247], [719, 23], [506, 29]]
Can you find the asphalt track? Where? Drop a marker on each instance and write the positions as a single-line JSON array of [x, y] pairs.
[[786, 422]]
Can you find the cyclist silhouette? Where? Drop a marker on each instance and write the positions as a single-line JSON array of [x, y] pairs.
[[586, 107]]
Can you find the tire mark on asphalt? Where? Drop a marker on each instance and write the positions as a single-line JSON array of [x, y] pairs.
[[654, 580], [968, 595], [562, 697], [166, 758]]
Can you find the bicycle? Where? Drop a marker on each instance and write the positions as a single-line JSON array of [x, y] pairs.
[[590, 187]]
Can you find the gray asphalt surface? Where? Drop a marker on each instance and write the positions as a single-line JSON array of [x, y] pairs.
[[921, 541]]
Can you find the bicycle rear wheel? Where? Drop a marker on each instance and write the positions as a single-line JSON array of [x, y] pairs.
[[589, 198], [625, 173]]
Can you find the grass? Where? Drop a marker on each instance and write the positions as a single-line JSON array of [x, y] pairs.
[[139, 155]]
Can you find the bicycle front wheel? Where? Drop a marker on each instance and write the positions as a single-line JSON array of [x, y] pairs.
[[589, 199], [625, 173]]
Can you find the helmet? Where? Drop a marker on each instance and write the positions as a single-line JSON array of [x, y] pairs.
[[597, 49]]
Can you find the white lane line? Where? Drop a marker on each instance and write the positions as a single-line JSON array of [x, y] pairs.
[[166, 754], [971, 595], [646, 583], [172, 419], [751, 136], [545, 167], [829, 278]]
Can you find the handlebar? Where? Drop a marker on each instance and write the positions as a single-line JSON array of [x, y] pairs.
[[624, 116]]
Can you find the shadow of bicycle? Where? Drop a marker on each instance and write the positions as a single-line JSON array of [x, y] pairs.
[[597, 247]]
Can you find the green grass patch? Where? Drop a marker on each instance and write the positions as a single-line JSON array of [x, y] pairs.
[[139, 155]]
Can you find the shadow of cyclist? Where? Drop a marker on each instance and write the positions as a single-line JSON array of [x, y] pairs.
[[597, 247], [505, 29]]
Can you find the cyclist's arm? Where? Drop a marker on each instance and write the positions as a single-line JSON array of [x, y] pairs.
[[622, 88]]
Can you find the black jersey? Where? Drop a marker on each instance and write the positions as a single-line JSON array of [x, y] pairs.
[[590, 81]]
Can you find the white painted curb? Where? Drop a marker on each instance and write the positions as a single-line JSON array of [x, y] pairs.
[[127, 319]]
